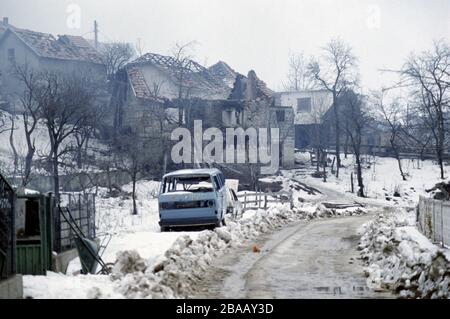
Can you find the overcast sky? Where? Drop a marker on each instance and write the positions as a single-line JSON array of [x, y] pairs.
[[250, 34]]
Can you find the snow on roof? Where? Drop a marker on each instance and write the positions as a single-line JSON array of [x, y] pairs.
[[66, 47], [200, 171]]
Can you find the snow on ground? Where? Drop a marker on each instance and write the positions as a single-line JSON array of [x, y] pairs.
[[185, 262], [142, 251], [140, 233], [60, 286], [152, 264], [41, 140], [398, 257], [382, 178]]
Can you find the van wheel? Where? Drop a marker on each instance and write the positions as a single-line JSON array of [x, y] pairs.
[[221, 223]]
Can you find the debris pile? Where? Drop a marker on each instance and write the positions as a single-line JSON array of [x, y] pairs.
[[440, 191], [400, 259]]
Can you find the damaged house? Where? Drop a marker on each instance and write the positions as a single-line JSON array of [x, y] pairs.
[[187, 91], [315, 121], [64, 54]]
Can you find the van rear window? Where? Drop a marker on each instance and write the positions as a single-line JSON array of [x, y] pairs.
[[194, 184]]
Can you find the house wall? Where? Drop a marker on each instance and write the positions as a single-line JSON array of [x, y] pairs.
[[24, 55], [321, 102], [9, 86], [287, 134]]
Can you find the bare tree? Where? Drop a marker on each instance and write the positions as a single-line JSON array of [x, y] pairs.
[[182, 56], [64, 107], [392, 116], [355, 111], [297, 77], [162, 123], [13, 147], [131, 158], [335, 72], [429, 72], [116, 55], [30, 79], [318, 140]]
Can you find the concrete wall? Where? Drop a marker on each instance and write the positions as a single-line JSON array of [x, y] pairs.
[[321, 102], [433, 217], [12, 288]]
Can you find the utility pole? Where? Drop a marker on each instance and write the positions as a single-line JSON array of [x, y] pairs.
[[96, 33]]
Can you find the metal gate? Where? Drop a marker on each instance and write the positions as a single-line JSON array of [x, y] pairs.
[[7, 233], [82, 209]]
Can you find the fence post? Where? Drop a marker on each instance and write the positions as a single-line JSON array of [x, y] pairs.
[[265, 201], [433, 223], [88, 215], [80, 219], [245, 200]]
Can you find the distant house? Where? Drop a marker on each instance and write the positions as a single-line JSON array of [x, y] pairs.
[[218, 95], [4, 25], [44, 52], [311, 108]]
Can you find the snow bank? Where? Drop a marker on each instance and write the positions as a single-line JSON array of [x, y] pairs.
[[185, 263], [400, 258]]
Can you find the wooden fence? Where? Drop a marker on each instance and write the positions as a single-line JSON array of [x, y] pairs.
[[255, 200]]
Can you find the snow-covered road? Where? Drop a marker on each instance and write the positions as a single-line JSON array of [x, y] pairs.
[[316, 259]]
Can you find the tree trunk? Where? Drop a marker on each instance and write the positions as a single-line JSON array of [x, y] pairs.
[[338, 133], [440, 145], [56, 174], [135, 212], [165, 162], [346, 146], [11, 142], [359, 175], [397, 157], [28, 163]]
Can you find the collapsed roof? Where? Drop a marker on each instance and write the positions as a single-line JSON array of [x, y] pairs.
[[219, 81], [185, 72], [66, 47], [224, 73]]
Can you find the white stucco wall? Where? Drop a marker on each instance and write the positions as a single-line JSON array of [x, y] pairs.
[[321, 102]]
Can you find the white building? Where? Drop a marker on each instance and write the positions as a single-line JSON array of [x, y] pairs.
[[309, 106]]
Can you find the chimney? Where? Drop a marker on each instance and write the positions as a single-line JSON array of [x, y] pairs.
[[5, 21]]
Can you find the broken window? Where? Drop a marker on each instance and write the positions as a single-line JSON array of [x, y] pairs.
[[304, 104], [227, 118], [12, 55], [280, 116]]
